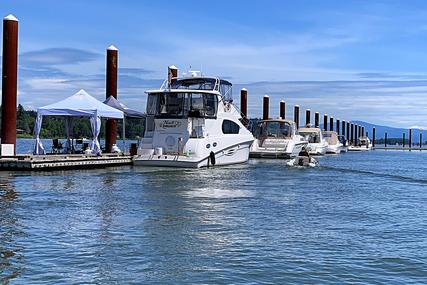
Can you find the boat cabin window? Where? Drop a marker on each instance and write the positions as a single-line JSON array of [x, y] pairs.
[[275, 129], [230, 127], [311, 137], [182, 105]]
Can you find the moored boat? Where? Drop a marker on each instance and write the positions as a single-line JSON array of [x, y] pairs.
[[317, 144], [277, 138], [192, 122], [334, 144]]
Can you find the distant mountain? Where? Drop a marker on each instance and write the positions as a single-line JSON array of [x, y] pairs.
[[392, 132]]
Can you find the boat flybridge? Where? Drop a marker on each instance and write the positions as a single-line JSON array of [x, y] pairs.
[[363, 144], [317, 144], [335, 146], [277, 138], [192, 122]]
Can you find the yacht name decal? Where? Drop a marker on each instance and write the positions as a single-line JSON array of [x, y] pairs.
[[166, 124]]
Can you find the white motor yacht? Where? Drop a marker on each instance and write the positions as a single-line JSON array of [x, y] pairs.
[[334, 144], [317, 144], [363, 144], [192, 122], [277, 138]]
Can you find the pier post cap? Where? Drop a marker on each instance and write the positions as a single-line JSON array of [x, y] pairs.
[[266, 96], [10, 17], [282, 101], [307, 109], [297, 106], [112, 48], [172, 67], [243, 89]]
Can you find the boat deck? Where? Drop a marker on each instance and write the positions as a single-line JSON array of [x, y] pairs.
[[62, 161]]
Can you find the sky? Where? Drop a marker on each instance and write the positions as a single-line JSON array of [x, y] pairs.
[[354, 60]]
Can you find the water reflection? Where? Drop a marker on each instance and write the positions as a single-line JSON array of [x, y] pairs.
[[10, 229]]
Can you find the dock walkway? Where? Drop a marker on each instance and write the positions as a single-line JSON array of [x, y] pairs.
[[62, 161]]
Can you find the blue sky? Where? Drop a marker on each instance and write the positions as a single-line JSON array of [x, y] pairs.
[[359, 60]]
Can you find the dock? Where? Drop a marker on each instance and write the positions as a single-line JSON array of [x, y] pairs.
[[64, 161]]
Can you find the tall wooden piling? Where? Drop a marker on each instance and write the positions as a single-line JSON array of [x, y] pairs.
[[111, 90], [385, 139], [316, 119], [421, 139], [348, 132], [265, 107], [373, 136], [355, 134], [296, 115], [352, 133], [282, 109], [9, 80], [172, 74], [410, 139], [244, 105], [325, 122], [403, 139], [338, 126], [331, 123], [343, 124], [307, 117]]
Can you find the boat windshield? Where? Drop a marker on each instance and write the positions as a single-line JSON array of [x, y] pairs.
[[311, 137], [205, 83], [275, 129], [182, 105], [330, 138]]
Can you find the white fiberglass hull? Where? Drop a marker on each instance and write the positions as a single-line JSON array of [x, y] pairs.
[[232, 155], [290, 151], [359, 148], [335, 149], [317, 148]]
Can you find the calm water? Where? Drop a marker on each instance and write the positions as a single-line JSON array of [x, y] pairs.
[[360, 218]]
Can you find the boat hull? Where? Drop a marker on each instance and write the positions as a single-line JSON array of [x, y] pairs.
[[289, 152], [232, 155]]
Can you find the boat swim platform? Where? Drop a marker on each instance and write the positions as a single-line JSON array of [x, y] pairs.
[[63, 161]]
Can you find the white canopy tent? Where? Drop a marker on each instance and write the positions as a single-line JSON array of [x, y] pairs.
[[80, 104]]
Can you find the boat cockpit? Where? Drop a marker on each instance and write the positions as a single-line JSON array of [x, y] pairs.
[[274, 129]]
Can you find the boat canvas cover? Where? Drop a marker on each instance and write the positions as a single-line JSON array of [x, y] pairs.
[[116, 104]]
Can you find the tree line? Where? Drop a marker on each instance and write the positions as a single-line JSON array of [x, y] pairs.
[[54, 127]]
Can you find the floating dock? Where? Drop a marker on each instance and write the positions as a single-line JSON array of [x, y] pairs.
[[64, 161]]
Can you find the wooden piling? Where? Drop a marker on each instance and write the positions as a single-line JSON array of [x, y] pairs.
[[352, 133], [403, 140], [421, 139], [343, 124], [316, 119], [331, 123], [244, 105], [111, 90], [325, 122], [385, 139], [283, 109], [373, 137], [172, 74], [265, 107], [410, 139], [9, 80], [296, 115], [338, 126], [348, 132], [307, 117]]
